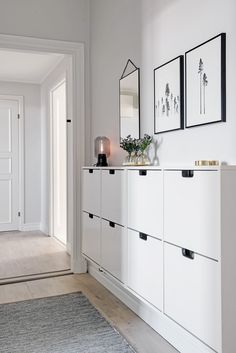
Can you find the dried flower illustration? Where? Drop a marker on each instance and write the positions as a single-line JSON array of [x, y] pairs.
[[200, 70], [171, 103], [167, 104], [167, 107], [205, 83], [167, 92]]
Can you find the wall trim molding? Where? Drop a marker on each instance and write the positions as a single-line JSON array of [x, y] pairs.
[[44, 228], [76, 50], [181, 339], [27, 227], [68, 248]]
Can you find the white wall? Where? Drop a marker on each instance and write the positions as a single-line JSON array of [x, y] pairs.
[[115, 37], [32, 131], [51, 19], [151, 32]]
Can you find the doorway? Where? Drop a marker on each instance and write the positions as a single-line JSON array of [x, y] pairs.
[[75, 133], [58, 147], [25, 246]]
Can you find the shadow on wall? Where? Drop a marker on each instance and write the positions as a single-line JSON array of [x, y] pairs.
[[157, 6]]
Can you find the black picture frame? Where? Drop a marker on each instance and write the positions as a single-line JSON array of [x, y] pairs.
[[220, 90], [180, 93]]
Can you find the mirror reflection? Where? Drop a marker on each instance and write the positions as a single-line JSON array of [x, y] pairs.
[[129, 102]]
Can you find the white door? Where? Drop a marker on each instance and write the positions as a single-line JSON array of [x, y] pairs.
[[113, 249], [91, 241], [145, 202], [59, 162], [113, 196], [192, 211], [192, 293], [91, 195], [9, 165], [145, 267]]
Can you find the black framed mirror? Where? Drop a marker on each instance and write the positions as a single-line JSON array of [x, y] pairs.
[[130, 101]]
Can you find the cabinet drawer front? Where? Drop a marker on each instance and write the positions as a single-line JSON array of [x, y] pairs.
[[92, 191], [192, 211], [145, 202], [113, 249], [113, 196], [91, 237], [145, 267], [192, 293]]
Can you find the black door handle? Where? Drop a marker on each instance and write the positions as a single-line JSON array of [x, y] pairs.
[[90, 215], [142, 172], [188, 253], [187, 173], [90, 171], [112, 171], [143, 236], [112, 224]]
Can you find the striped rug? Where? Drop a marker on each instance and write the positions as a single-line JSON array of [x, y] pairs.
[[62, 324]]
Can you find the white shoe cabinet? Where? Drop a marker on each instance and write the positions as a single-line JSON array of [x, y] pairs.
[[164, 241]]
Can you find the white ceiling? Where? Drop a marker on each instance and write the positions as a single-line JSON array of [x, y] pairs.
[[27, 67]]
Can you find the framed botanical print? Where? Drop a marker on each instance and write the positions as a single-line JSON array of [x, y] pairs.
[[169, 96], [205, 82]]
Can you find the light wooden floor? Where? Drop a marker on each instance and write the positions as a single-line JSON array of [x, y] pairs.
[[137, 332], [29, 253]]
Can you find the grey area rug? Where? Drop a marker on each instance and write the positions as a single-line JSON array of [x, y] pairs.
[[62, 324]]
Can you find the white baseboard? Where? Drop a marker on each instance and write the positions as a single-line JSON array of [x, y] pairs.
[[79, 266], [68, 248], [181, 339], [44, 228], [26, 227]]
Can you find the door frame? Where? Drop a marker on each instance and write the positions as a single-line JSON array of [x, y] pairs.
[[51, 169], [21, 156], [77, 135]]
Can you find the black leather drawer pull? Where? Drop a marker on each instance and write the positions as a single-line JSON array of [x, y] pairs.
[[188, 253], [187, 173], [142, 172], [68, 120], [143, 236], [90, 171], [112, 171], [90, 215], [112, 224]]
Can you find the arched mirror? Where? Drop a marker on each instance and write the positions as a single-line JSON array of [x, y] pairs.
[[130, 101]]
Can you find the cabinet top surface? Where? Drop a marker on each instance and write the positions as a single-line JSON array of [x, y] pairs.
[[165, 167]]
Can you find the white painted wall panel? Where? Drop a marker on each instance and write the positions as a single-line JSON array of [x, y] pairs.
[[6, 206]]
